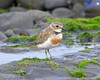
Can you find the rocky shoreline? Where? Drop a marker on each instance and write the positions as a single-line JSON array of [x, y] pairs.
[[46, 69], [22, 20]]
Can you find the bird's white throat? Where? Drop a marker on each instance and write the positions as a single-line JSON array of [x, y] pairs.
[[59, 30]]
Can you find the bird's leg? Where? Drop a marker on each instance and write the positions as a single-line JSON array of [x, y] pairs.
[[46, 54], [50, 54]]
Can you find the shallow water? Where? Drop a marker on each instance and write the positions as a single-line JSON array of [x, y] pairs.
[[56, 52]]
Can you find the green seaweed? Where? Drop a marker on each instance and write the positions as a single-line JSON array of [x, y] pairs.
[[22, 72], [25, 61], [34, 59], [15, 39], [97, 78], [67, 34], [70, 42], [3, 10], [49, 19], [6, 66], [96, 59], [86, 51], [18, 46], [77, 74], [78, 24], [53, 65], [30, 6], [36, 28], [83, 35], [19, 5], [95, 34], [83, 63]]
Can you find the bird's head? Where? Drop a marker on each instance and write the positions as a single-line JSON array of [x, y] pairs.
[[56, 26]]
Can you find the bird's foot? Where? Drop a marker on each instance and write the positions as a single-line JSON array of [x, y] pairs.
[[52, 58]]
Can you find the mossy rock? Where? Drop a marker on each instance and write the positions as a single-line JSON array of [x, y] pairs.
[[85, 51], [24, 62], [77, 74], [96, 36], [53, 65], [36, 28], [21, 39], [34, 59], [22, 72], [3, 10], [97, 78], [69, 42], [78, 24], [83, 63], [85, 37], [66, 35]]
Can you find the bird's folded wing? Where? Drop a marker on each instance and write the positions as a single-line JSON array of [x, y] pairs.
[[42, 37]]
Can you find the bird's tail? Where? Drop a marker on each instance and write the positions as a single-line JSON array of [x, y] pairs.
[[31, 44]]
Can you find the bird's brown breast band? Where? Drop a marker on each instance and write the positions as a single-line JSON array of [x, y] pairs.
[[55, 41]]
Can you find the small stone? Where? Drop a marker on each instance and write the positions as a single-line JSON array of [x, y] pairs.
[[2, 37], [32, 31], [20, 32], [96, 38], [9, 33]]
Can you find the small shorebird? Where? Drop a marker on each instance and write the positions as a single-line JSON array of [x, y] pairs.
[[49, 37]]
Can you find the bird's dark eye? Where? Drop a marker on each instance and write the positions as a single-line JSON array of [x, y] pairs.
[[57, 26]]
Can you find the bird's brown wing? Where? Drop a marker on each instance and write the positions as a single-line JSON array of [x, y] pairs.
[[42, 37]]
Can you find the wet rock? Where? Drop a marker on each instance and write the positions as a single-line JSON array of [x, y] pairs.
[[17, 9], [5, 3], [84, 37], [32, 31], [41, 24], [42, 71], [62, 13], [38, 15], [78, 10], [9, 50], [96, 38], [36, 71], [17, 31], [13, 20], [20, 32], [9, 33], [35, 4], [51, 4], [2, 37]]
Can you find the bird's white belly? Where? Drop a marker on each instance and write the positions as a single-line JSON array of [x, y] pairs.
[[48, 44]]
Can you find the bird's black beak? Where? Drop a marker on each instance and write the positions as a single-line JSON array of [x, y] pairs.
[[63, 29]]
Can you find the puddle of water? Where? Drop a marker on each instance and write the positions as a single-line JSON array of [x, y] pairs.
[[56, 52]]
